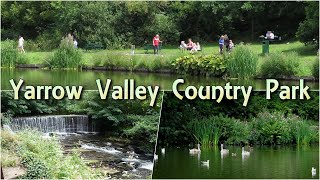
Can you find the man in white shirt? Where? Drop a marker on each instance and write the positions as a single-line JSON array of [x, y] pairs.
[[20, 44]]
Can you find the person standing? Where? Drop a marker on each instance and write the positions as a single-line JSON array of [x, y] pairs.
[[221, 44], [20, 44], [75, 43], [155, 42]]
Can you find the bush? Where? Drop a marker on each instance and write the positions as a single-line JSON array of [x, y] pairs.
[[315, 68], [242, 63], [209, 65], [66, 56], [280, 65], [10, 55]]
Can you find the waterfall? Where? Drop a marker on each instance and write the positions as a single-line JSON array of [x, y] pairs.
[[55, 123]]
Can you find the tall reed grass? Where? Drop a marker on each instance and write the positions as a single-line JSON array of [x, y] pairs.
[[10, 55], [242, 63], [66, 56], [315, 68], [279, 65]]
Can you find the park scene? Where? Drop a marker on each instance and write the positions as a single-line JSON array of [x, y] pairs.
[[268, 139], [86, 139], [206, 43]]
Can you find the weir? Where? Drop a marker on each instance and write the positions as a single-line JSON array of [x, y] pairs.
[[54, 123]]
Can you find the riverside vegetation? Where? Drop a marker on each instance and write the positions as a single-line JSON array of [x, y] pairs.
[[243, 62], [131, 121], [209, 123]]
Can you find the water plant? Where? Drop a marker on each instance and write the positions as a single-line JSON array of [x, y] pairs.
[[66, 56], [10, 55], [279, 65], [242, 62]]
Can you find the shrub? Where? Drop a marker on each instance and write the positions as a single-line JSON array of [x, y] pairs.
[[315, 68], [66, 56], [209, 65], [10, 55], [242, 63], [280, 65]]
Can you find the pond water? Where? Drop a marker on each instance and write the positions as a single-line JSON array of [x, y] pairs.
[[87, 79], [263, 162]]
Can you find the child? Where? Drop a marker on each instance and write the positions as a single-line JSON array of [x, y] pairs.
[[221, 44]]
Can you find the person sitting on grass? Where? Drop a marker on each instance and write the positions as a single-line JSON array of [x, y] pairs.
[[190, 44], [155, 42], [198, 46], [221, 44], [183, 46]]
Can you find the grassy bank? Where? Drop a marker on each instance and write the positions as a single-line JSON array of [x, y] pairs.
[[41, 157], [306, 56]]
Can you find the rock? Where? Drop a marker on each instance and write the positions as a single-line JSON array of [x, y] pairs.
[[13, 172]]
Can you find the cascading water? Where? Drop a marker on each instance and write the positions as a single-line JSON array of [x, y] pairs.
[[56, 123]]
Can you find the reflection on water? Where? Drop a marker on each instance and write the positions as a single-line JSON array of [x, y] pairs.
[[87, 79], [263, 162]]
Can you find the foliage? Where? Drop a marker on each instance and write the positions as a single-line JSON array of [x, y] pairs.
[[315, 68], [242, 63], [209, 65], [119, 24], [280, 65], [44, 158], [10, 55], [308, 31], [66, 56]]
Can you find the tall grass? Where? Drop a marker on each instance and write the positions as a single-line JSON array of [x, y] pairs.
[[44, 158], [10, 55], [242, 63], [279, 65], [315, 68], [66, 56]]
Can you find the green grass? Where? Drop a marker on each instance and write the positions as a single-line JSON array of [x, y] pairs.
[[306, 54]]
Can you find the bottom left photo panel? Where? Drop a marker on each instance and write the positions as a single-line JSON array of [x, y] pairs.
[[88, 138]]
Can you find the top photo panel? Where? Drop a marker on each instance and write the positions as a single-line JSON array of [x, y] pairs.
[[155, 43]]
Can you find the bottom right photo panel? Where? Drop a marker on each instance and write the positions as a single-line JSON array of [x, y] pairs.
[[269, 138]]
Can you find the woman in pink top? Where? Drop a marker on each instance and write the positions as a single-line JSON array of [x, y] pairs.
[[155, 42]]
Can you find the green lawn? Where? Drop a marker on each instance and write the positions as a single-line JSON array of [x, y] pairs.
[[307, 54]]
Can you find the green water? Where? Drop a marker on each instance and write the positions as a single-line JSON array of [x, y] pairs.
[[263, 162], [87, 79]]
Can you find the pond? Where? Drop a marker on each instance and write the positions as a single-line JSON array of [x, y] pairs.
[[263, 162], [87, 79]]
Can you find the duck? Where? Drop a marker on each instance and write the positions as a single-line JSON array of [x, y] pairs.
[[205, 163], [155, 157], [163, 150], [233, 154], [194, 150], [313, 171], [245, 153], [224, 151]]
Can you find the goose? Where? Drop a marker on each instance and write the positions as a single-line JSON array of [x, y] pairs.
[[313, 171], [205, 163], [163, 150], [245, 153], [224, 151], [233, 154], [194, 150], [155, 157]]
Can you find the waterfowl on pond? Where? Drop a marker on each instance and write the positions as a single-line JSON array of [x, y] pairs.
[[155, 157], [205, 163], [245, 153], [163, 150], [194, 151], [224, 151], [313, 171], [233, 154]]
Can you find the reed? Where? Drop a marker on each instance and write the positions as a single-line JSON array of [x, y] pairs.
[[242, 63]]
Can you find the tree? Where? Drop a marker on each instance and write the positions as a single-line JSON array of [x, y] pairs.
[[308, 31]]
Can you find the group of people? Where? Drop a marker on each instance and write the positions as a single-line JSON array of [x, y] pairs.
[[225, 41], [193, 47]]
